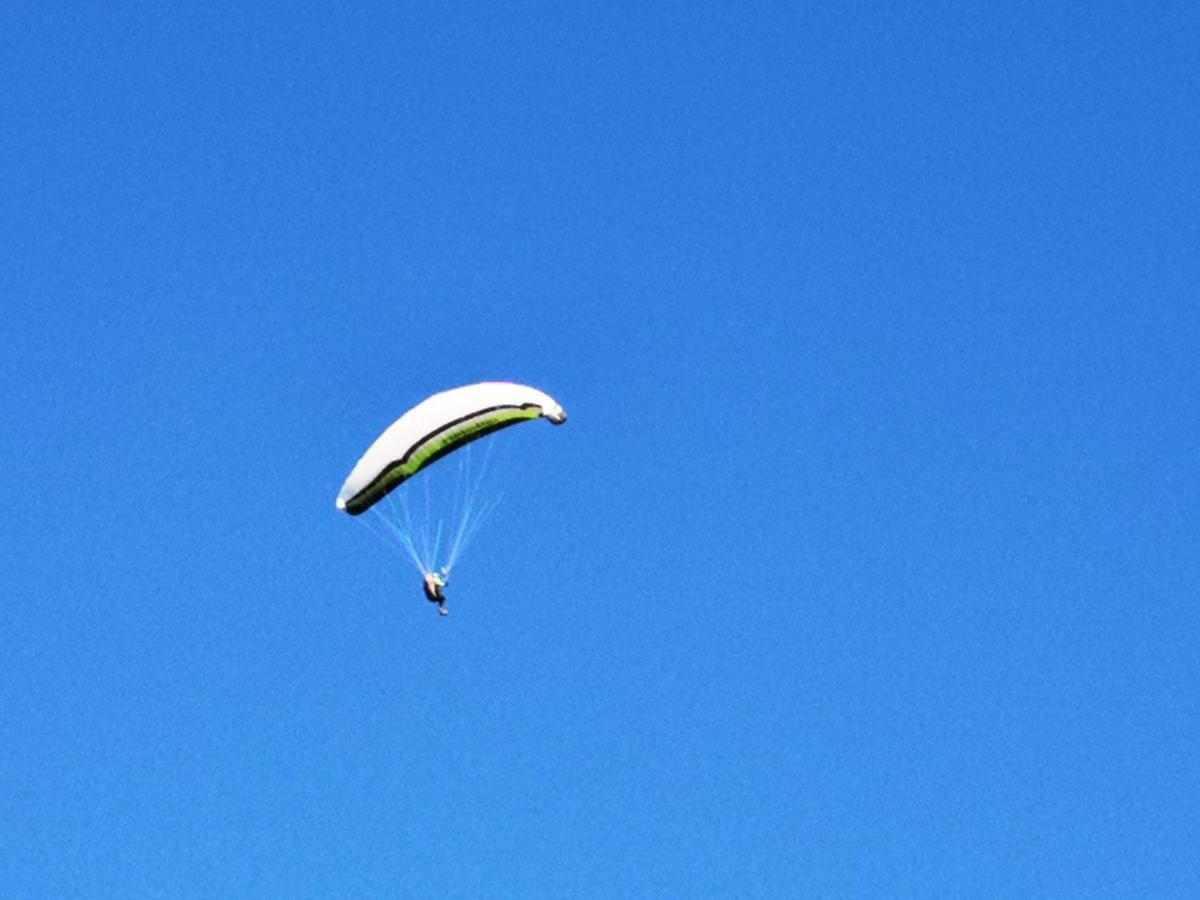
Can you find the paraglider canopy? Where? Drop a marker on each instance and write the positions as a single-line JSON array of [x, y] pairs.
[[435, 427]]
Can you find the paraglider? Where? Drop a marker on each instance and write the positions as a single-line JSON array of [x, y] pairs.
[[434, 590], [434, 428]]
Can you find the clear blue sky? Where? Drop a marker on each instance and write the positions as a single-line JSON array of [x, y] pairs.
[[867, 564]]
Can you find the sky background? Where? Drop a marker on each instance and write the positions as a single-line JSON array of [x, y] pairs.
[[867, 564]]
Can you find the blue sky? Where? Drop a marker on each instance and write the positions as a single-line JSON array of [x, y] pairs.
[[866, 565]]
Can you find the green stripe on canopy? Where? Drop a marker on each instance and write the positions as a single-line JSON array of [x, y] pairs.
[[435, 447]]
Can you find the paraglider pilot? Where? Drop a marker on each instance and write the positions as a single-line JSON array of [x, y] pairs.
[[434, 593]]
